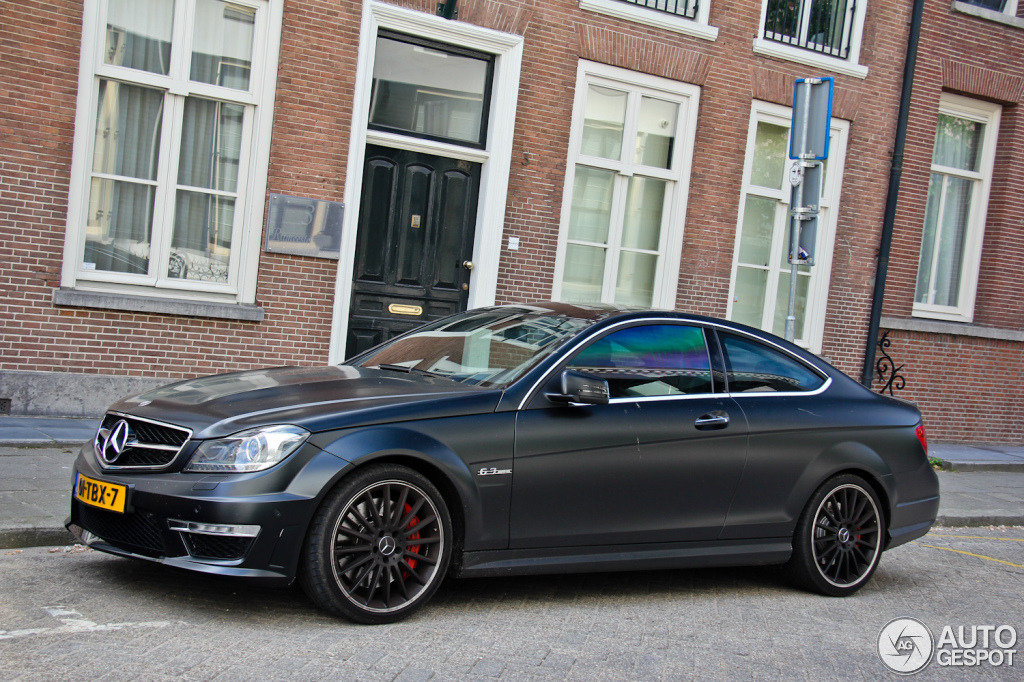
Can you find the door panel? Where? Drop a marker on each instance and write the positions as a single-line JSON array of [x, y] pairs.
[[416, 227]]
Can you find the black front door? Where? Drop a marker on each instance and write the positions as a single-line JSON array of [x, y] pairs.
[[413, 256]]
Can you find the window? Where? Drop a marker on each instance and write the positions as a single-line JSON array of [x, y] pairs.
[[954, 216], [646, 361], [753, 367], [761, 270], [822, 33], [1003, 6], [432, 91], [689, 17], [630, 152], [172, 136]]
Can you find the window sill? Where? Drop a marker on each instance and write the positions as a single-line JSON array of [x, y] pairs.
[[770, 48], [954, 328], [649, 17], [74, 298], [988, 14]]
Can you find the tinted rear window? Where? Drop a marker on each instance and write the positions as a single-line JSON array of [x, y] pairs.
[[753, 367]]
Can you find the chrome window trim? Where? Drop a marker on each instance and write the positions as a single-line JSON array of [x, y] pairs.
[[531, 394], [154, 446]]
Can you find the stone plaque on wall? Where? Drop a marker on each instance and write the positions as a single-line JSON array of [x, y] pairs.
[[304, 227]]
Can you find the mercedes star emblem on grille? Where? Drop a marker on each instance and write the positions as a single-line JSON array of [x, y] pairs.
[[116, 441]]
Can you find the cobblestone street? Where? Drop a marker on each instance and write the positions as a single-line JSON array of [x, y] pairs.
[[78, 614]]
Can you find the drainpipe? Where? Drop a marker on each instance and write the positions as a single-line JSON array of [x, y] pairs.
[[895, 173]]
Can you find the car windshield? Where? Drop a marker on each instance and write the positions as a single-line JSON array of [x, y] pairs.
[[491, 347]]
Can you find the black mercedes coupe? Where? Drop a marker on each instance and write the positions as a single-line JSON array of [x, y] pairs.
[[533, 438]]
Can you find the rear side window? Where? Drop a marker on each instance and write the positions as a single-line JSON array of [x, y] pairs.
[[652, 360], [753, 367]]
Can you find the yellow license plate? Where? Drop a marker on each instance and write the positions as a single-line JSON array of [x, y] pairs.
[[101, 494]]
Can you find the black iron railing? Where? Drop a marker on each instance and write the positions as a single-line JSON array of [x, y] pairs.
[[680, 8], [886, 367], [824, 26]]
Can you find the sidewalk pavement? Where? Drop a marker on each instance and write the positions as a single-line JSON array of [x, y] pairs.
[[984, 484]]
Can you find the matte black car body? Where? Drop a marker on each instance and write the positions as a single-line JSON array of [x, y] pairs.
[[533, 484]]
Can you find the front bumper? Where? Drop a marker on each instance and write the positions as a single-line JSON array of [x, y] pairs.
[[245, 525]]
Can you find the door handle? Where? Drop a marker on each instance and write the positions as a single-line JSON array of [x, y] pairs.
[[468, 264], [712, 420]]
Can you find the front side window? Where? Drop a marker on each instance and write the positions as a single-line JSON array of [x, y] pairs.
[[629, 159], [647, 361], [753, 367], [954, 218], [761, 269], [172, 116]]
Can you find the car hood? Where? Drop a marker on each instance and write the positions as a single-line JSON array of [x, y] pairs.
[[315, 398]]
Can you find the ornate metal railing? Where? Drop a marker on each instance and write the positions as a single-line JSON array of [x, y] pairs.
[[886, 366], [680, 8], [824, 26]]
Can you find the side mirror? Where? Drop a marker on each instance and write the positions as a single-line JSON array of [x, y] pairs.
[[578, 387]]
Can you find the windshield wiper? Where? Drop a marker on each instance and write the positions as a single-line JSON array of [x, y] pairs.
[[414, 370]]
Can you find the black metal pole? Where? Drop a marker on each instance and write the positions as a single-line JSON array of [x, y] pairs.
[[895, 173]]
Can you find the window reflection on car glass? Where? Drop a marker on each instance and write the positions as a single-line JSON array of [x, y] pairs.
[[652, 360], [753, 367]]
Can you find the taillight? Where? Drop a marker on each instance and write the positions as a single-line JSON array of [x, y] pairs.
[[922, 437]]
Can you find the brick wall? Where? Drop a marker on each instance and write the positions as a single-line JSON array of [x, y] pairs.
[[966, 386]]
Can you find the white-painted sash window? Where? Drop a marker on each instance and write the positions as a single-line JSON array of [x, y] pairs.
[[954, 217], [622, 213], [759, 294], [171, 146]]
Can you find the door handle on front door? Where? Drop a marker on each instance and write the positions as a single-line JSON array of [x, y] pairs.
[[712, 420], [468, 264]]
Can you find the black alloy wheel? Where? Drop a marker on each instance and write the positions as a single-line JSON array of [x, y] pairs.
[[838, 540], [378, 546]]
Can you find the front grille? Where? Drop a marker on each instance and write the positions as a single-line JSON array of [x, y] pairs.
[[149, 444], [138, 532], [222, 547]]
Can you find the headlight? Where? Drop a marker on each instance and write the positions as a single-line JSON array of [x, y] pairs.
[[252, 450]]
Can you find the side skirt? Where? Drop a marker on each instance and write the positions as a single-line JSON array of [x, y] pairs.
[[626, 557]]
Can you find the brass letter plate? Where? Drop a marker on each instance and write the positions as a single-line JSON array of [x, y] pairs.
[[401, 309]]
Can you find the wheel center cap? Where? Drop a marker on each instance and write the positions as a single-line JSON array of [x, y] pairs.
[[844, 535], [386, 545]]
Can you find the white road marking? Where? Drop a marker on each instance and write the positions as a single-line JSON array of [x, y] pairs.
[[74, 622]]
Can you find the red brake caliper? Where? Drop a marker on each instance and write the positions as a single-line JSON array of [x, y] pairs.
[[415, 549]]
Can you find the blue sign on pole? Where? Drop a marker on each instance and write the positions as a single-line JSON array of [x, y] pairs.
[[815, 115]]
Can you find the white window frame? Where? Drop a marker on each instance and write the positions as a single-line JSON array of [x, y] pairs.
[[989, 114], [821, 271], [697, 27], [252, 182], [850, 66], [671, 239], [496, 156]]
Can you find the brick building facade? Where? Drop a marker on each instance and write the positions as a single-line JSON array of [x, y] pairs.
[[92, 306]]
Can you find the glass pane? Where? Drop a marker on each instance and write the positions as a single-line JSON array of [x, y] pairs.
[[771, 147], [211, 144], [782, 17], [584, 274], [428, 91], [591, 204], [128, 122], [826, 23], [139, 34], [782, 305], [748, 300], [222, 44], [603, 122], [758, 226], [931, 220], [752, 366], [649, 361], [656, 133], [958, 143], [634, 284], [118, 226], [950, 252], [645, 201], [201, 243]]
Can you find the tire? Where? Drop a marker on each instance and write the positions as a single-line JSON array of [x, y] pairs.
[[378, 546], [838, 539]]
